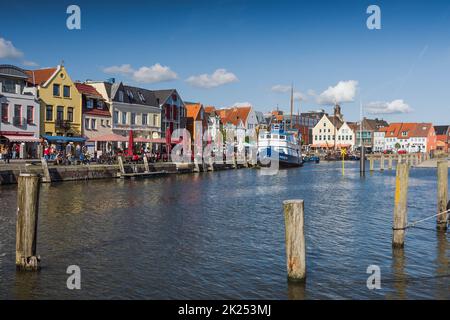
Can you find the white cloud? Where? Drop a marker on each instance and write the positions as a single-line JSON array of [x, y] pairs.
[[7, 50], [242, 104], [123, 69], [299, 96], [344, 91], [396, 106], [152, 74], [28, 63], [217, 78], [281, 88]]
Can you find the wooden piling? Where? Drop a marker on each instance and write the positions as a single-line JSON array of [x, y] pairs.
[[390, 162], [382, 163], [121, 166], [46, 172], [400, 209], [442, 176], [146, 166], [27, 221], [295, 240], [371, 166]]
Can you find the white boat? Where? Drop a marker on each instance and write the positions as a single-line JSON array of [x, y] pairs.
[[279, 145]]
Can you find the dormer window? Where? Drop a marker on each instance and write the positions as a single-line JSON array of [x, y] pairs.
[[121, 96], [89, 103], [130, 94], [404, 133], [100, 104], [141, 96]]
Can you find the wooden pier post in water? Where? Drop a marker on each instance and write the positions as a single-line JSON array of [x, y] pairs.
[[46, 172], [295, 239], [390, 162], [371, 166], [146, 166], [27, 221], [382, 163], [122, 168], [442, 176], [401, 205]]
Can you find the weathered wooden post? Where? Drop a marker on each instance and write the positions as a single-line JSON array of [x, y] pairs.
[[295, 239], [371, 166], [390, 162], [399, 160], [146, 166], [122, 168], [401, 208], [27, 222], [46, 172], [442, 176], [382, 163], [362, 162]]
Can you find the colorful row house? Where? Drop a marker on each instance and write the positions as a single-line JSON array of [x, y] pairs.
[[19, 114], [60, 105]]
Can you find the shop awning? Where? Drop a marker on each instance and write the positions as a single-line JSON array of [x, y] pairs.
[[109, 138], [21, 138], [61, 139], [142, 140]]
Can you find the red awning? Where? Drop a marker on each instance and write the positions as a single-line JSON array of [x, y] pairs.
[[21, 138], [109, 138]]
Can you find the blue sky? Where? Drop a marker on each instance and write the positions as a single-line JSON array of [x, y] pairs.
[[245, 48]]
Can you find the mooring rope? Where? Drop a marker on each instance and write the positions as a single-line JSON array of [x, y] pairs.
[[413, 224]]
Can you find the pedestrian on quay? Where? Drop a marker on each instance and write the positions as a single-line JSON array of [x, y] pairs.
[[13, 151]]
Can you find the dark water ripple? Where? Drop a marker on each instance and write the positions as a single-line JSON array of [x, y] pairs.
[[221, 236]]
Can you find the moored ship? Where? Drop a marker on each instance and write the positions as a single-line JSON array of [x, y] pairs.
[[280, 146]]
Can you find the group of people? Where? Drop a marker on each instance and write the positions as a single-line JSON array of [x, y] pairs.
[[70, 154], [10, 152]]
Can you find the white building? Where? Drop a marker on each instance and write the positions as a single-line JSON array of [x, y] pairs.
[[326, 131], [346, 136], [379, 140], [19, 113]]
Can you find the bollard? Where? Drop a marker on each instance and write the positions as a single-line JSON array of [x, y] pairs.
[[442, 176], [390, 161], [295, 239], [382, 163], [400, 209], [27, 221]]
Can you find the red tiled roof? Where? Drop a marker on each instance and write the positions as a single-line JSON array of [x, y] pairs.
[[97, 112], [40, 76], [87, 90], [192, 110], [209, 109], [234, 115], [396, 130]]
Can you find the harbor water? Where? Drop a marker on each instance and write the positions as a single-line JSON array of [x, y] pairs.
[[220, 235]]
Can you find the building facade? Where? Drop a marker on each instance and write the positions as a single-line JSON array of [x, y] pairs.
[[97, 121], [19, 113], [411, 137], [60, 102], [132, 109]]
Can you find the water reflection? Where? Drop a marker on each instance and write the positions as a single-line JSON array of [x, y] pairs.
[[398, 269], [443, 265], [296, 290]]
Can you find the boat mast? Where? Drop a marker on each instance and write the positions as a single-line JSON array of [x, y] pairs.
[[292, 102]]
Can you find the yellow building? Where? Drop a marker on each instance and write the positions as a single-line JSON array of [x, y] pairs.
[[60, 102]]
